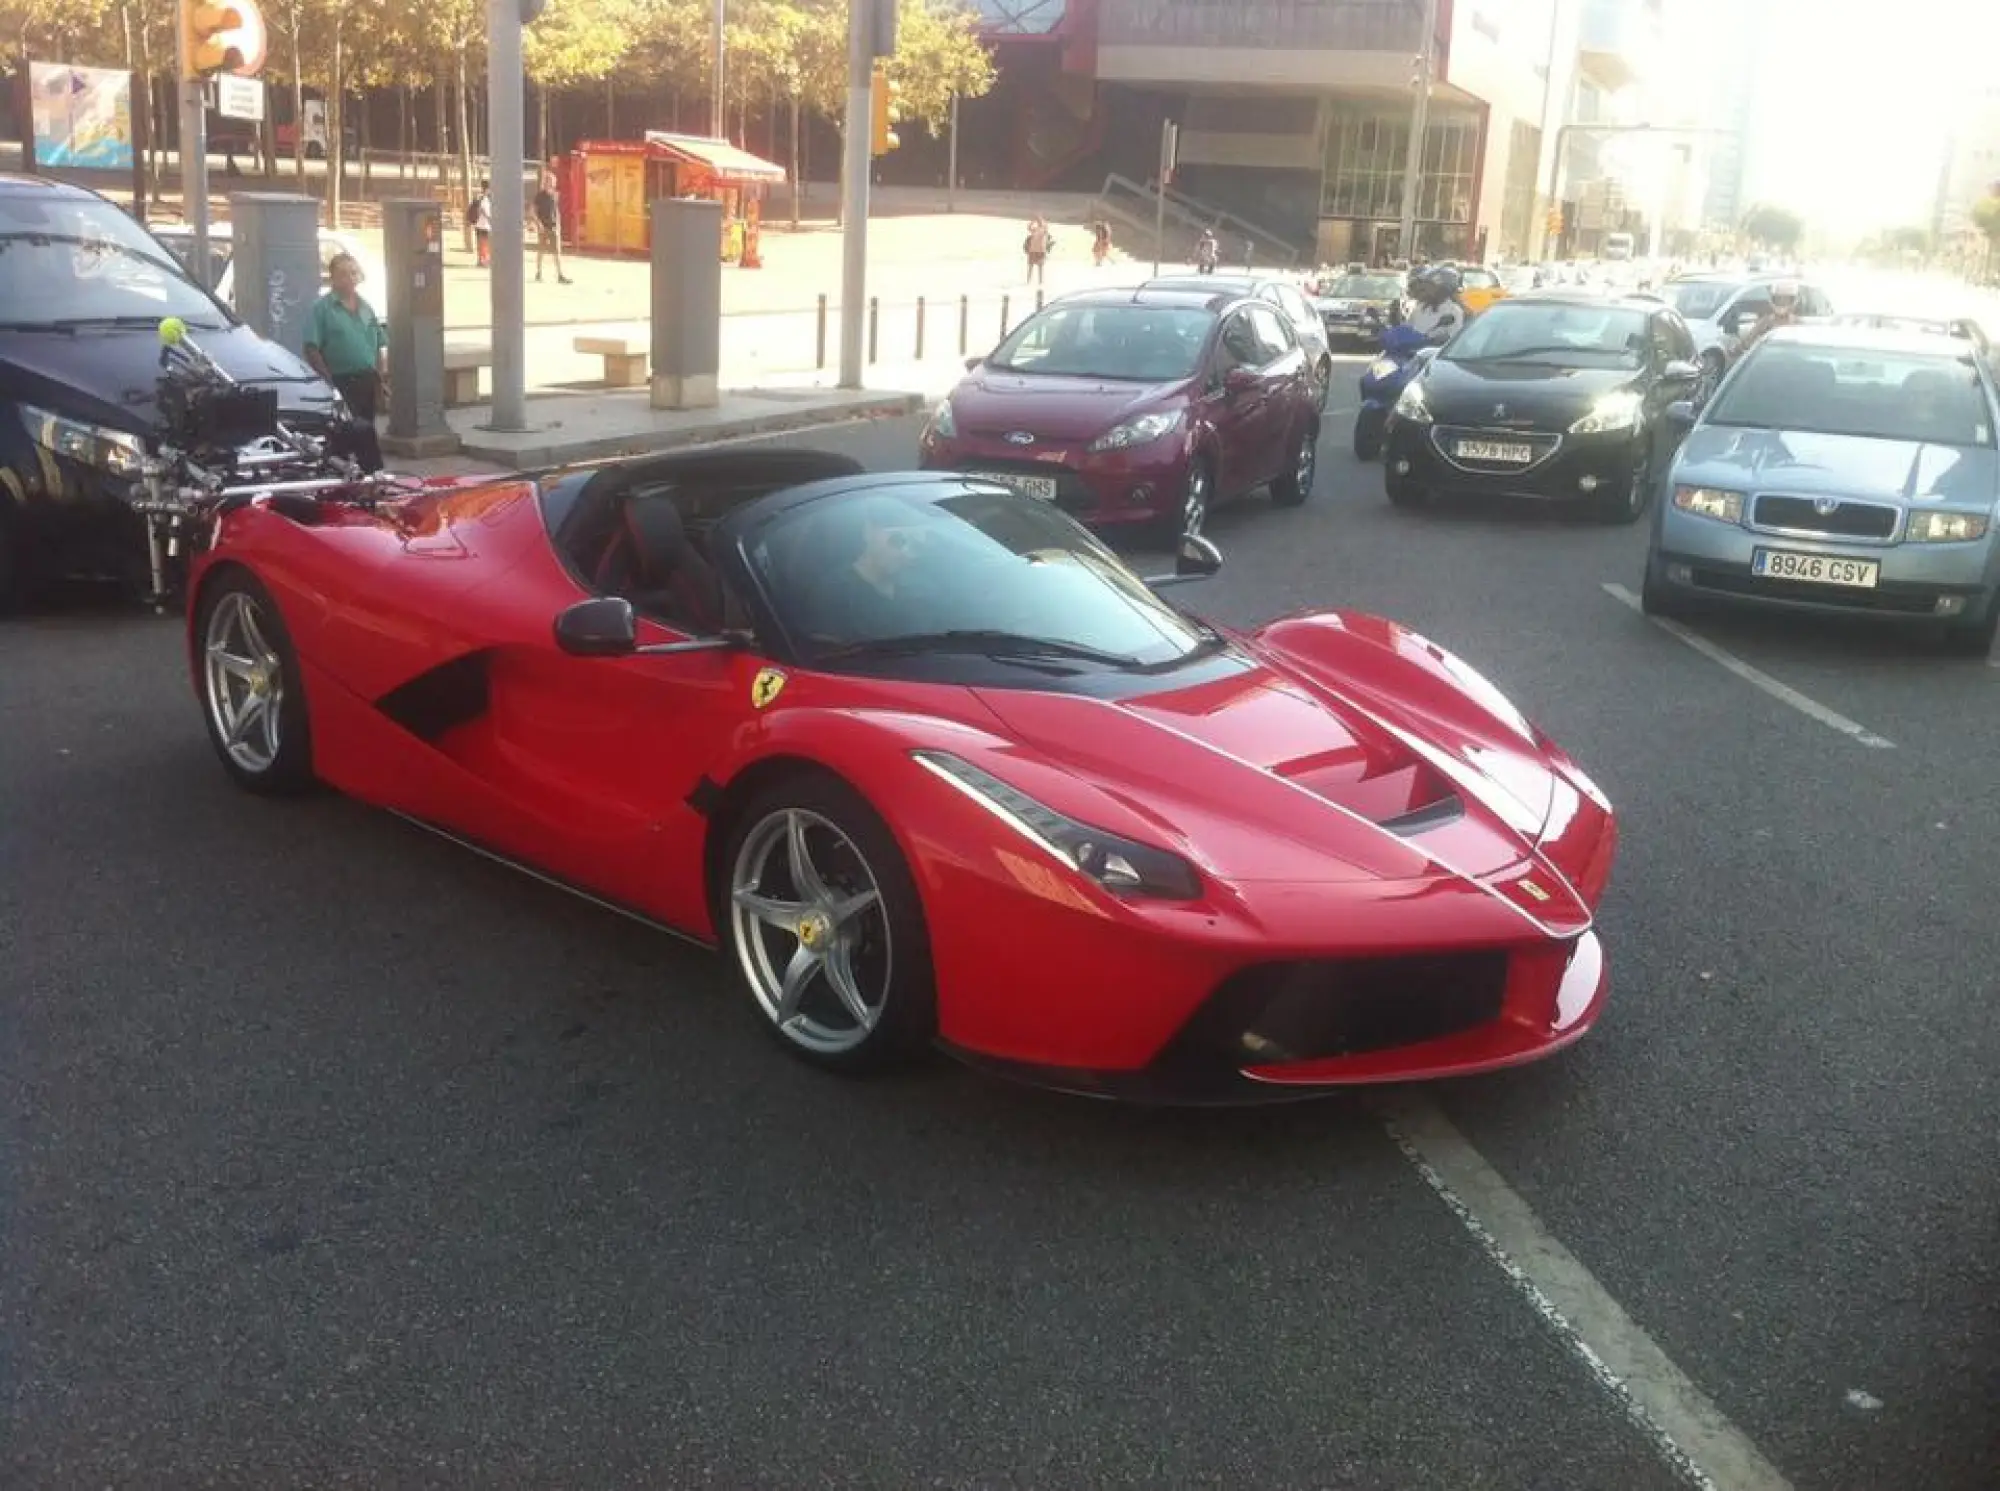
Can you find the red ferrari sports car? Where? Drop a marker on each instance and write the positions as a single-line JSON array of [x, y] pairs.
[[930, 764]]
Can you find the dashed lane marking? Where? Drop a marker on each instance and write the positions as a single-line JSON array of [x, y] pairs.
[[1689, 1431], [1784, 693]]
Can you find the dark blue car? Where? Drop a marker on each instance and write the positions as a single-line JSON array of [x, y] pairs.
[[83, 289]]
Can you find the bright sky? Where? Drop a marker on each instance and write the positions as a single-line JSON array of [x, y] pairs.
[[1855, 103]]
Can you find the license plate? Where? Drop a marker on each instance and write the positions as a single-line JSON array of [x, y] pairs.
[[1493, 450], [1816, 569], [1043, 487]]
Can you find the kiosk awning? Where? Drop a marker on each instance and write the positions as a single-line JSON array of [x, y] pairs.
[[717, 156]]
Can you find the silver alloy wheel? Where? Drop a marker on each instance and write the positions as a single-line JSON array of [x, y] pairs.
[[1194, 511], [246, 683], [1642, 480], [1308, 461], [840, 947]]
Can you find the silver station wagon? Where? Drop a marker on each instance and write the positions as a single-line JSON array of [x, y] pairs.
[[1839, 469]]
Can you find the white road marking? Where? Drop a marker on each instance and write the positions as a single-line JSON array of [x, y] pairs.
[[1707, 1451], [1784, 693]]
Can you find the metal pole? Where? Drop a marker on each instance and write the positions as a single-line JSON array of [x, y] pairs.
[[1420, 116], [1538, 235], [951, 176], [194, 162], [1160, 194], [716, 122], [506, 110], [854, 166], [1555, 178]]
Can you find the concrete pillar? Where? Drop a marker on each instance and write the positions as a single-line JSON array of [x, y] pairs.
[[687, 304], [275, 238], [413, 304]]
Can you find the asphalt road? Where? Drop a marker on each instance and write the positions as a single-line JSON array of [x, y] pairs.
[[334, 1156]]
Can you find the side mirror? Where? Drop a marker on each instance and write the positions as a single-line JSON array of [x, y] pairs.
[[604, 627], [973, 362], [1239, 380], [1681, 415], [1196, 559], [1681, 371]]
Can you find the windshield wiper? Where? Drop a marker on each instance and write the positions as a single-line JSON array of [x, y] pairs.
[[66, 323], [988, 643]]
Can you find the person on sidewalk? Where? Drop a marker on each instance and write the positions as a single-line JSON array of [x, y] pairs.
[[346, 344], [1206, 252], [1100, 242], [482, 223], [548, 221], [1036, 247]]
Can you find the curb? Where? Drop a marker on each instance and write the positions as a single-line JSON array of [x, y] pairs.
[[477, 444]]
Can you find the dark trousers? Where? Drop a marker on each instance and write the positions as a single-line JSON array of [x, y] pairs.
[[361, 391]]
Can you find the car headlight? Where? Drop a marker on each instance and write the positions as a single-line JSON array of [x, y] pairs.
[[1120, 865], [1141, 431], [115, 451], [944, 423], [1411, 405], [1382, 367], [1706, 502], [1946, 528], [1615, 411]]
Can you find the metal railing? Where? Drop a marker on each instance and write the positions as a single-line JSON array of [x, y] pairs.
[[1136, 205]]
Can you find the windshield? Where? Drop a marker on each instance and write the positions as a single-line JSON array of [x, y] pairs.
[[1364, 287], [1557, 333], [1938, 400], [79, 260], [1130, 343], [875, 568], [1699, 300], [183, 246]]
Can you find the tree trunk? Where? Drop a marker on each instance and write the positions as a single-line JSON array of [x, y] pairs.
[[610, 109], [543, 148], [336, 154], [798, 181], [440, 122], [464, 126], [404, 107], [298, 100]]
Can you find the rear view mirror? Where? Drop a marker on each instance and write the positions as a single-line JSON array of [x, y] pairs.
[[1681, 371], [604, 627], [973, 362], [1237, 380]]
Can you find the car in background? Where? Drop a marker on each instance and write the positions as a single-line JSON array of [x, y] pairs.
[[1840, 469], [222, 267], [1286, 295], [1130, 407], [1479, 287], [1720, 308], [1557, 395], [83, 290], [1355, 307], [1963, 327]]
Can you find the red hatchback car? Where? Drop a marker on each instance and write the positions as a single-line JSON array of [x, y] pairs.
[[1138, 406]]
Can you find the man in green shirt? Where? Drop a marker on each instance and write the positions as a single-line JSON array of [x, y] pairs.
[[346, 344]]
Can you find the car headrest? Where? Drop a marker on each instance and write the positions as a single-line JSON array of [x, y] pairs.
[[658, 532]]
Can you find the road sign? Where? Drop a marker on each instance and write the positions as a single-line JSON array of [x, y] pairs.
[[239, 98]]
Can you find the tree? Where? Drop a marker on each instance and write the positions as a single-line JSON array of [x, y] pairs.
[[1774, 227], [575, 42], [939, 57]]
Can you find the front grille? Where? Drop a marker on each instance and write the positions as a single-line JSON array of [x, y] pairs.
[[1865, 520], [1445, 438], [1313, 1011]]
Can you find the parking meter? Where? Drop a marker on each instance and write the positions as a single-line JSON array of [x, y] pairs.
[[413, 254], [274, 239]]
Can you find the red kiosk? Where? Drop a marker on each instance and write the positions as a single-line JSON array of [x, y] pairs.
[[607, 186]]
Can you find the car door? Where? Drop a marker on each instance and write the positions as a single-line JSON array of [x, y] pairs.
[[1238, 413], [1282, 375], [601, 757], [1307, 328]]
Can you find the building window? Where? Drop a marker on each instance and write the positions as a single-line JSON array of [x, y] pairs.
[[1363, 174]]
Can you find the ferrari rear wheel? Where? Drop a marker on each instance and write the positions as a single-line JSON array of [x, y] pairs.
[[252, 694], [827, 928]]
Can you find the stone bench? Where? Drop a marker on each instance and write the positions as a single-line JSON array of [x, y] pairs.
[[625, 357], [462, 366]]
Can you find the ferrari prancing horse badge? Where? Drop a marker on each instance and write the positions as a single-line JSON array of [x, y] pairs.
[[766, 686]]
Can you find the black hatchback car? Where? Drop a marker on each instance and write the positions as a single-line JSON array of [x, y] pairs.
[[1553, 395], [83, 289]]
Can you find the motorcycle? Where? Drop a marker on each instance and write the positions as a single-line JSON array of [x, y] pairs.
[[1383, 383], [221, 444]]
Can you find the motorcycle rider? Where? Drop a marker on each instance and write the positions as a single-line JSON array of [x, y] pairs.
[[1439, 314], [1784, 311]]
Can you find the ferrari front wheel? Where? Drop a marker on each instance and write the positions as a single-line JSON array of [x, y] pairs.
[[828, 931], [252, 692]]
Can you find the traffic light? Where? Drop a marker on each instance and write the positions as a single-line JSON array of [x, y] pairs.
[[1555, 221], [211, 40], [888, 113]]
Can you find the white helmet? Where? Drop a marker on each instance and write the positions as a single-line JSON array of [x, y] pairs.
[[1785, 290]]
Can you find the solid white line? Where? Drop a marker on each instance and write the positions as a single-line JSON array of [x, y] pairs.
[[1784, 693], [1707, 1451]]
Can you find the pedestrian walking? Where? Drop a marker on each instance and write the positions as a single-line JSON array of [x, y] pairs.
[[548, 220], [1036, 246]]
